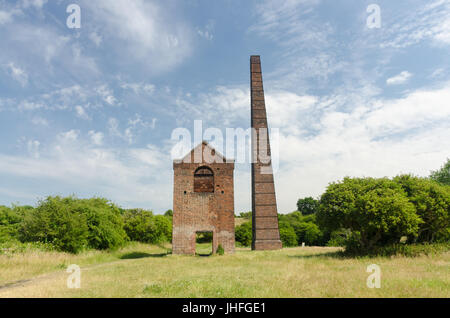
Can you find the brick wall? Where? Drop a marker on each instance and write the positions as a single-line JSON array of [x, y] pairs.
[[202, 212]]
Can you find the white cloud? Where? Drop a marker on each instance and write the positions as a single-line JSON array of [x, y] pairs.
[[40, 121], [139, 88], [33, 148], [139, 177], [429, 22], [106, 94], [401, 78], [382, 138], [5, 17], [81, 112], [96, 137], [18, 74], [145, 30], [96, 38], [68, 137], [38, 4], [207, 31]]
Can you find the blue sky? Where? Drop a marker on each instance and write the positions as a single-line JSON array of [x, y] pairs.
[[91, 111]]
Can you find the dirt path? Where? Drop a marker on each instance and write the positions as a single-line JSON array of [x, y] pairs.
[[50, 276]]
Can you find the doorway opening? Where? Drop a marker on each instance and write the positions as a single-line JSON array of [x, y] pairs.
[[204, 243]]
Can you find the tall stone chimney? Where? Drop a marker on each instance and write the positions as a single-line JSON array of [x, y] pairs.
[[266, 234]]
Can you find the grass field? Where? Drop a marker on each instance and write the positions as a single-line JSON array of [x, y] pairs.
[[141, 270]]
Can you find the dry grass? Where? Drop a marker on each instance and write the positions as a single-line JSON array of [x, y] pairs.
[[145, 271]]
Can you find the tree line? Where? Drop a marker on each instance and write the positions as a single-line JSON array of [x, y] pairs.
[[368, 214]]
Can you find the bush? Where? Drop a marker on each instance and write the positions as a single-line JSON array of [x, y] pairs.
[[432, 203], [163, 232], [376, 211], [409, 250], [206, 237], [220, 250], [287, 235], [9, 224], [143, 226], [72, 224], [243, 233], [308, 232]]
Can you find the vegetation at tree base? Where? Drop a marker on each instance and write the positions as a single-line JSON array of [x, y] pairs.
[[365, 215], [432, 204], [246, 215], [442, 175], [72, 224], [307, 206], [9, 224], [205, 237], [243, 233], [220, 250], [369, 215], [379, 212], [143, 226]]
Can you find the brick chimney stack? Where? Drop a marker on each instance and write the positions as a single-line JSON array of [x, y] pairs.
[[266, 234]]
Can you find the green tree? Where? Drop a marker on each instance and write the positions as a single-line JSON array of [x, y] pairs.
[[72, 224], [142, 226], [243, 233], [308, 232], [9, 224], [432, 203], [139, 225], [169, 213], [376, 212], [55, 221], [245, 215], [442, 175], [307, 205], [287, 235]]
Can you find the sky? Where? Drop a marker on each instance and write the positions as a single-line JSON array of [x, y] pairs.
[[90, 111]]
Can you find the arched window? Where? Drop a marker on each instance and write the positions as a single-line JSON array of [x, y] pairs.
[[204, 180]]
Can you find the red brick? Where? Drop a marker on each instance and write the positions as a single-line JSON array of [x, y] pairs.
[[198, 211], [265, 229]]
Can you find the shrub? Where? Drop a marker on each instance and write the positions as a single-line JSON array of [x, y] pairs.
[[204, 237], [432, 203], [9, 224], [72, 224], [308, 232], [243, 233], [163, 232], [376, 212], [287, 235], [143, 226], [409, 250], [220, 250]]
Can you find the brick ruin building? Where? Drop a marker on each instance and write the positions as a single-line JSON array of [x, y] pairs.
[[203, 200], [203, 197]]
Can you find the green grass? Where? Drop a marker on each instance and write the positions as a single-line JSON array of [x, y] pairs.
[[141, 270]]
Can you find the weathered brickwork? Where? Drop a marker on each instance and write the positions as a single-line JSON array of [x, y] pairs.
[[266, 235], [195, 211]]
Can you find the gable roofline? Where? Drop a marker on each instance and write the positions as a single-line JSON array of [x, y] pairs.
[[206, 144]]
